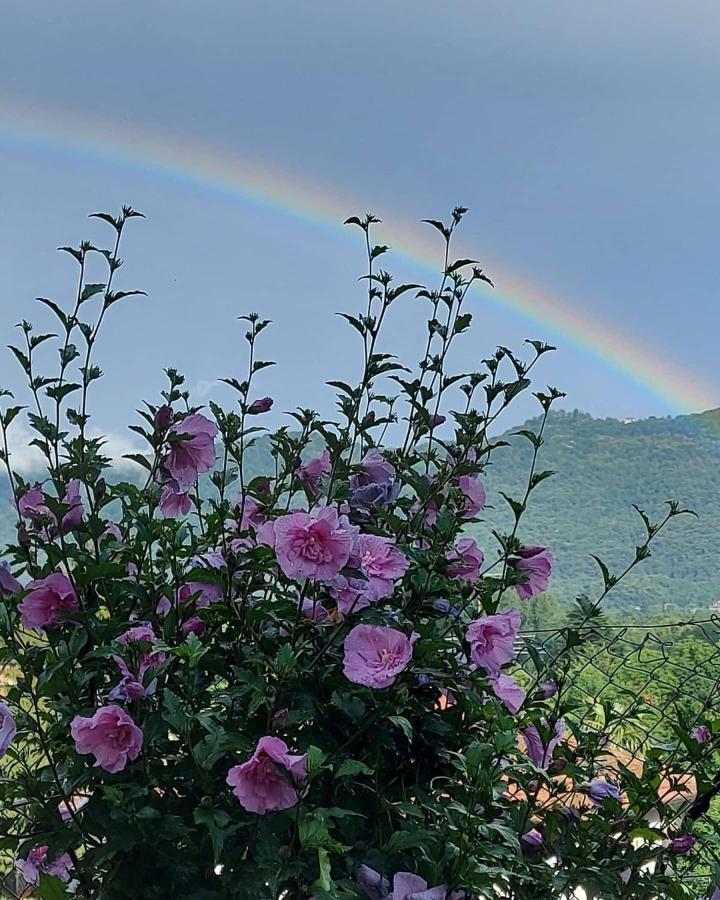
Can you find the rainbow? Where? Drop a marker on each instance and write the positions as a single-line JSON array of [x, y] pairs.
[[208, 167]]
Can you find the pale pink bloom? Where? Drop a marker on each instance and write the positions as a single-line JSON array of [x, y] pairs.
[[381, 563], [37, 863], [8, 728], [376, 655], [194, 625], [474, 495], [110, 735], [374, 469], [465, 560], [535, 564], [411, 887], [174, 504], [315, 546], [192, 451], [48, 602], [269, 780], [492, 639], [314, 470], [509, 691]]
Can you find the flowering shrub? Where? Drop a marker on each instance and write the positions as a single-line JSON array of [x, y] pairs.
[[308, 681]]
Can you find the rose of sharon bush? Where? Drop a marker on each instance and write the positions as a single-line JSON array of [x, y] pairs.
[[301, 674], [110, 735], [270, 779]]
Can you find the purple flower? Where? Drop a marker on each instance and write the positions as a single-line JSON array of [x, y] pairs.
[[376, 655], [535, 563], [37, 863], [682, 844], [208, 593], [163, 418], [475, 497], [192, 452], [313, 471], [437, 419], [372, 883], [128, 689], [213, 559], [374, 469], [48, 602], [32, 505], [406, 886], [599, 790], [73, 518], [548, 689], [465, 560], [541, 754], [260, 406], [172, 504], [532, 839], [269, 780], [381, 563], [193, 625], [373, 496], [8, 728], [312, 609], [508, 691], [702, 734], [110, 735], [492, 639], [315, 546], [350, 594], [8, 583]]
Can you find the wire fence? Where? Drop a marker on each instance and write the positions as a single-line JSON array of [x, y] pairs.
[[631, 685]]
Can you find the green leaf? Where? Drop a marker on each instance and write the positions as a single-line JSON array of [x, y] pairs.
[[352, 767], [90, 290], [403, 724], [173, 713], [51, 888]]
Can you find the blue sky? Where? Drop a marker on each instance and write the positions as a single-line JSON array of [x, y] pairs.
[[584, 137]]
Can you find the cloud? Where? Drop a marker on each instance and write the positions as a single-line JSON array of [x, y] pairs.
[[28, 460]]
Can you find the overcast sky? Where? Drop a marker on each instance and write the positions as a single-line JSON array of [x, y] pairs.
[[584, 138]]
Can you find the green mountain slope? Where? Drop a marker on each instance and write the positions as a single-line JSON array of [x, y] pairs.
[[603, 466]]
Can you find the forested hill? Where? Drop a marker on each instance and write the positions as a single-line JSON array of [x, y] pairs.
[[604, 466]]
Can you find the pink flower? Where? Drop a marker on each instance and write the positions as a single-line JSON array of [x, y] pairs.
[[208, 592], [702, 734], [8, 583], [172, 504], [163, 418], [110, 735], [374, 469], [315, 546], [539, 753], [314, 470], [8, 728], [508, 691], [535, 563], [492, 639], [73, 518], [381, 563], [269, 780], [465, 560], [313, 609], [37, 863], [474, 495], [32, 505], [192, 452], [193, 625], [137, 633], [48, 602], [376, 655], [349, 594], [410, 887], [260, 406]]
